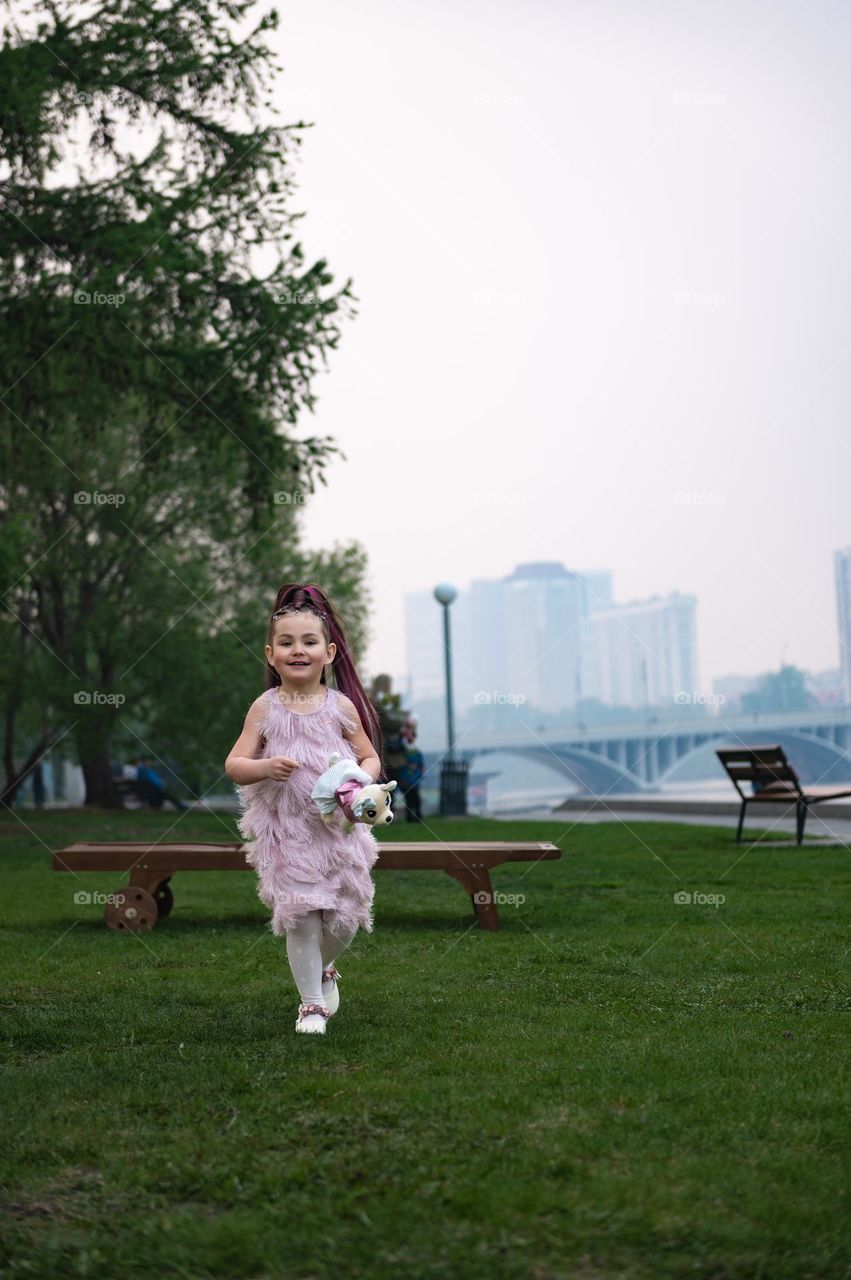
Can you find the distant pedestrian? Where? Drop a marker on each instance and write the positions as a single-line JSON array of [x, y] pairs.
[[410, 776]]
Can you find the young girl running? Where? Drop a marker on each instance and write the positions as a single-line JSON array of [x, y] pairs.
[[315, 878]]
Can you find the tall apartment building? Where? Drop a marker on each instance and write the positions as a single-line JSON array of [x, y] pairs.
[[842, 570], [643, 653], [524, 634]]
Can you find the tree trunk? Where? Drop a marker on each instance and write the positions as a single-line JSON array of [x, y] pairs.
[[101, 791], [14, 780]]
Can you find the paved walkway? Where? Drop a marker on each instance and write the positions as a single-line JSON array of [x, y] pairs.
[[819, 829]]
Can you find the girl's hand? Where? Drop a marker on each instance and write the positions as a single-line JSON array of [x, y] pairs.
[[280, 767]]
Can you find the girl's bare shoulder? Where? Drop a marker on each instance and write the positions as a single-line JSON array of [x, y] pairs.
[[349, 717]]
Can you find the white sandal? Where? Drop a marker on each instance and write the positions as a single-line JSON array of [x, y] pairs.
[[312, 1019]]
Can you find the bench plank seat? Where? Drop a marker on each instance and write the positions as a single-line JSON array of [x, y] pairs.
[[152, 864]]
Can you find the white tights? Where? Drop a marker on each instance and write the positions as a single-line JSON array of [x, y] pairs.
[[311, 946]]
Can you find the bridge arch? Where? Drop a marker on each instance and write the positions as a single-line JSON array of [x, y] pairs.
[[814, 759], [596, 774]]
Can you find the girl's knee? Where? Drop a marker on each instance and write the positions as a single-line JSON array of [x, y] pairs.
[[342, 932], [308, 924]]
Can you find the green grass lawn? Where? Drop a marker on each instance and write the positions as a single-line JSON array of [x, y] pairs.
[[614, 1085]]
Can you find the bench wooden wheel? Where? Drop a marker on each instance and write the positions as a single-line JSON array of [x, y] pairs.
[[164, 899], [134, 910]]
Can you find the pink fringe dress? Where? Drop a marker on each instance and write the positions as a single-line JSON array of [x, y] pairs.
[[302, 864]]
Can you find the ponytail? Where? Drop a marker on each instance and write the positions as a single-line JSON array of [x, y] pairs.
[[293, 597]]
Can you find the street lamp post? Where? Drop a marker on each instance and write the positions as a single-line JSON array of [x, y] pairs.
[[453, 773]]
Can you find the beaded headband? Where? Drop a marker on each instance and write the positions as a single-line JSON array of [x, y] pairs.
[[292, 608]]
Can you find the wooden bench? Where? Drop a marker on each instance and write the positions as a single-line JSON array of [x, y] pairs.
[[774, 781], [147, 897]]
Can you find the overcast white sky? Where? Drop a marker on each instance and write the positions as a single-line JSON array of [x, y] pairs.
[[602, 252]]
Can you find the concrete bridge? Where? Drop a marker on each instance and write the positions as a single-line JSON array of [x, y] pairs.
[[642, 757]]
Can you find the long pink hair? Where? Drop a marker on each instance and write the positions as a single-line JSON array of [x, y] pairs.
[[294, 597]]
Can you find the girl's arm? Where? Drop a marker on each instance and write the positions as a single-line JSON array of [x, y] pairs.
[[241, 766], [362, 748]]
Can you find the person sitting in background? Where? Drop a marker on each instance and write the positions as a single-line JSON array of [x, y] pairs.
[[152, 788], [769, 783]]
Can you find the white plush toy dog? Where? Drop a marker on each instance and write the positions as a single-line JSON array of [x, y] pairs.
[[345, 785]]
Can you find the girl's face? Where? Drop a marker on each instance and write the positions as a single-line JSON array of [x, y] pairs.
[[298, 651]]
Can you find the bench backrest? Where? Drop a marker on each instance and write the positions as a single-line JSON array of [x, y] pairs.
[[763, 766]]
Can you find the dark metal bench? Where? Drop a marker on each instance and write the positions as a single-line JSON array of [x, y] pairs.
[[148, 898], [774, 782]]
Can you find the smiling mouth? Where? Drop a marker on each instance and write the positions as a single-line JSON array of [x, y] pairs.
[[298, 664]]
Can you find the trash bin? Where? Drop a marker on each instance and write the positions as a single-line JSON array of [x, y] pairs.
[[453, 788]]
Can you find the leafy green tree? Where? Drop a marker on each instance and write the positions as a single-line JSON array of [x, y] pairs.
[[150, 375], [216, 671], [783, 690]]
